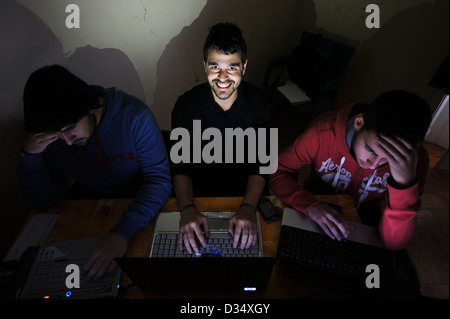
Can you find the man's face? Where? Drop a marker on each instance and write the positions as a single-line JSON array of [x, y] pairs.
[[224, 73], [367, 154], [80, 133]]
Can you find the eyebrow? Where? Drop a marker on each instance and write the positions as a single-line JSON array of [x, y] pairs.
[[231, 64], [67, 128]]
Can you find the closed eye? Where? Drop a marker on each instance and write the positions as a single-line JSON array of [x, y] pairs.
[[369, 149], [69, 128]]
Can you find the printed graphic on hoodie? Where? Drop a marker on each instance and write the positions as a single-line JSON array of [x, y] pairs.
[[96, 157], [336, 175], [340, 178], [372, 183]]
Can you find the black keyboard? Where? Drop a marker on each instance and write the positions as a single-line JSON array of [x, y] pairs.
[[344, 258]]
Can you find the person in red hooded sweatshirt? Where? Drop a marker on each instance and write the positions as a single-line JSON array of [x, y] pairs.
[[372, 152]]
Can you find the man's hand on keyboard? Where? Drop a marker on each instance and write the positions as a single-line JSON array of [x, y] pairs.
[[244, 223], [190, 229], [329, 220], [101, 260]]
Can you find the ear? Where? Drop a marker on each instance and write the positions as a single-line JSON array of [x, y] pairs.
[[358, 122], [244, 67], [204, 66]]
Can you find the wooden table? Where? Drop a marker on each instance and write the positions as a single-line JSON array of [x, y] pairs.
[[90, 218]]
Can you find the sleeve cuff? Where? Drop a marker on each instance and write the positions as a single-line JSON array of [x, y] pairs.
[[126, 227], [32, 162], [403, 199]]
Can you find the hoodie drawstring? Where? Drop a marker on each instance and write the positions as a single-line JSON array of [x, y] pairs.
[[366, 189], [338, 174]]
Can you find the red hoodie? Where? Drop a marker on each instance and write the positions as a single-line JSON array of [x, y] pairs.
[[334, 169]]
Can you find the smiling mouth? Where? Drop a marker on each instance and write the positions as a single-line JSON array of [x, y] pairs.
[[223, 86]]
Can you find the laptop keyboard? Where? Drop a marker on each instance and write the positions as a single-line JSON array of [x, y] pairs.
[[166, 245], [50, 277], [345, 258]]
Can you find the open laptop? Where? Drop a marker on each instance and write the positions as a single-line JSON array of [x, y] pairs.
[[42, 273], [165, 237], [303, 242], [218, 267], [361, 233], [232, 274]]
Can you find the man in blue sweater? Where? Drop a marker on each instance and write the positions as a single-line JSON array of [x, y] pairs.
[[105, 141]]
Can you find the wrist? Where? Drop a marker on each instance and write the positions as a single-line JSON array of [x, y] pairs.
[[402, 184], [312, 208], [186, 207], [24, 151], [248, 205]]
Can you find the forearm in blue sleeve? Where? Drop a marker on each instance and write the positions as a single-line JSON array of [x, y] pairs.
[[156, 187], [40, 187]]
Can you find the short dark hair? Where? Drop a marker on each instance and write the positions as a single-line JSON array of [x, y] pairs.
[[227, 39], [398, 113], [54, 98]]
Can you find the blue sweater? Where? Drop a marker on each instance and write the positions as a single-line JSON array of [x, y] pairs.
[[126, 153]]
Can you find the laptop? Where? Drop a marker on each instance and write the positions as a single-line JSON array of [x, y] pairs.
[[43, 273], [216, 268], [303, 243], [232, 274], [361, 233], [165, 237]]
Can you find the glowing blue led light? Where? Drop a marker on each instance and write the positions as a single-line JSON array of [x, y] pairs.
[[68, 294], [250, 289], [210, 249]]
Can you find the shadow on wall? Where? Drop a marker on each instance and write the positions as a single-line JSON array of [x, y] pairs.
[[403, 54], [27, 44], [273, 29]]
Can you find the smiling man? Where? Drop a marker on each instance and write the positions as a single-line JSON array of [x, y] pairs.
[[224, 74], [105, 141], [224, 101]]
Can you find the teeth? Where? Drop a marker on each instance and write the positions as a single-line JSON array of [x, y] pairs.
[[223, 85]]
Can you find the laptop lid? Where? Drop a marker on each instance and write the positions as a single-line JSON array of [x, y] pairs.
[[215, 274], [360, 233]]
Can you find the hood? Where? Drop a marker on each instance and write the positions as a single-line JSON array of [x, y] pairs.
[[340, 126], [341, 140], [113, 102]]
